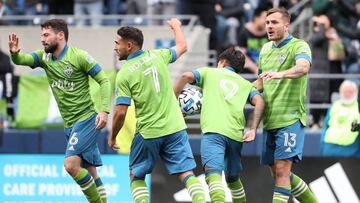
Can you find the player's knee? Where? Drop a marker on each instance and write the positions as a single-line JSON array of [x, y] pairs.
[[281, 172], [71, 168]]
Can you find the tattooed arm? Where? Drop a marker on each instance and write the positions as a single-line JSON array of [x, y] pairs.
[[301, 68]]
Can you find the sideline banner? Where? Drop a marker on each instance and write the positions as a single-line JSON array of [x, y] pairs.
[[40, 178], [331, 179]]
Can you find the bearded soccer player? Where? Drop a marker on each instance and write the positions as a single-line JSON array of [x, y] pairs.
[[68, 69], [160, 129], [284, 62]]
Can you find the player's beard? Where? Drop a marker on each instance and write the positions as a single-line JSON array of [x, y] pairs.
[[51, 48], [122, 57]]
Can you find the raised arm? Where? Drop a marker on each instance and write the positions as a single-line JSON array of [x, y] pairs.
[[180, 42], [187, 77], [16, 56]]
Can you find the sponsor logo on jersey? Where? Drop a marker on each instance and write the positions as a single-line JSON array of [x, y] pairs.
[[63, 85]]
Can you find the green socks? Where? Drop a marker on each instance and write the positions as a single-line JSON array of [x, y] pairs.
[[281, 194], [101, 189], [237, 191], [301, 191], [216, 189], [195, 189], [139, 191], [87, 184]]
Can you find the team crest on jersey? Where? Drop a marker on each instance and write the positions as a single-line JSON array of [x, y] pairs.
[[68, 71], [282, 58]]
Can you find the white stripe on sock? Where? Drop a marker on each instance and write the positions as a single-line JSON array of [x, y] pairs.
[[138, 188], [143, 195], [299, 185], [281, 199], [300, 191], [87, 185]]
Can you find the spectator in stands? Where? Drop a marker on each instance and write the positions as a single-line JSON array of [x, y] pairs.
[[93, 8], [24, 7], [351, 33], [338, 138], [135, 7], [205, 9], [114, 7], [160, 7], [252, 37], [6, 88], [230, 15], [57, 7], [321, 45], [337, 11]]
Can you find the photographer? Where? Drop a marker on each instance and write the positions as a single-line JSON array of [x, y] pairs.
[[339, 136]]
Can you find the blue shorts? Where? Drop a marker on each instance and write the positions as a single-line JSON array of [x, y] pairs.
[[283, 144], [221, 153], [174, 150], [81, 141]]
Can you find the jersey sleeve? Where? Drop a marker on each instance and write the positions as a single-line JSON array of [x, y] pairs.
[[302, 50], [88, 64], [253, 93], [33, 59], [39, 56], [122, 89], [199, 75], [168, 55]]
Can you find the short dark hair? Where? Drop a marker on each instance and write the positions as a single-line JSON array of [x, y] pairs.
[[234, 57], [259, 10], [284, 13], [58, 25], [133, 34]]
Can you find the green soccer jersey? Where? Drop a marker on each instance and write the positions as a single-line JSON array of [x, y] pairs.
[[145, 79], [225, 94], [68, 77], [285, 99]]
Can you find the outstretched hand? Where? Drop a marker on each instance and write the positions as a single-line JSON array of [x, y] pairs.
[[269, 76], [174, 23], [249, 136], [14, 43]]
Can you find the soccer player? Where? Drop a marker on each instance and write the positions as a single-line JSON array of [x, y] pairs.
[[160, 127], [68, 69], [225, 94], [284, 63]]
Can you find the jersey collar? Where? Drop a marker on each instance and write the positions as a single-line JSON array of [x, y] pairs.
[[62, 54], [229, 68], [284, 42], [135, 54]]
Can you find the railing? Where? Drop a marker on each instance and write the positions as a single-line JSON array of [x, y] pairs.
[[141, 20], [302, 25]]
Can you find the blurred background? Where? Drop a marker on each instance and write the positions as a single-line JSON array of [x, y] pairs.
[[31, 130]]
